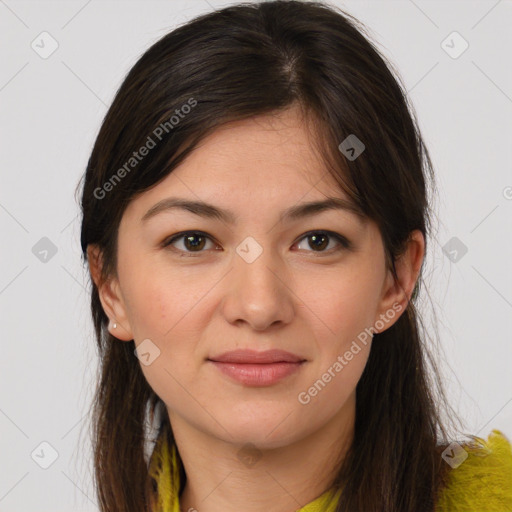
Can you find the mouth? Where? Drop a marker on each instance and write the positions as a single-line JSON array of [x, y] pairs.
[[253, 368]]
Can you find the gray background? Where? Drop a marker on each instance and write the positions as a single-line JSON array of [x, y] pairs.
[[51, 110]]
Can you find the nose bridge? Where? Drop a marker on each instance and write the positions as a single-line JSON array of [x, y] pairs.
[[258, 293], [255, 268]]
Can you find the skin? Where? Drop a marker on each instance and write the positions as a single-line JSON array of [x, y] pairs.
[[308, 301]]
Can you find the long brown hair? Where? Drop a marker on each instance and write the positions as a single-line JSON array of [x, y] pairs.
[[234, 63]]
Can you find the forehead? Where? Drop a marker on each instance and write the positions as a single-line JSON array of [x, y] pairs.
[[260, 146], [267, 161]]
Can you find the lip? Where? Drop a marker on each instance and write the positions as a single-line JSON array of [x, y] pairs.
[[246, 356], [253, 368]]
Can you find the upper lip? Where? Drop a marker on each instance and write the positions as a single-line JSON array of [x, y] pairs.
[[255, 357]]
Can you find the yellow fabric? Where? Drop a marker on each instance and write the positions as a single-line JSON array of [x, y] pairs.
[[481, 483]]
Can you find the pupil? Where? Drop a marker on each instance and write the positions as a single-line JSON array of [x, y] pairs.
[[316, 238], [189, 240]]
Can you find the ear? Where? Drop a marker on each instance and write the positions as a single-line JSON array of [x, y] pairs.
[[110, 296], [397, 293]]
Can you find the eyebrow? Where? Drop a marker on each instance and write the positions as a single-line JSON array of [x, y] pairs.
[[208, 210]]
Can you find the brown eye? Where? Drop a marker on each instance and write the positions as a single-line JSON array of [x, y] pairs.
[[320, 240], [191, 241], [194, 242]]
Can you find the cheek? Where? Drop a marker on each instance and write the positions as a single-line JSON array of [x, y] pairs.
[[167, 309], [328, 390], [340, 314], [158, 298], [341, 304]]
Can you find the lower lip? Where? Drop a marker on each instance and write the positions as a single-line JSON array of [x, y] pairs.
[[258, 374]]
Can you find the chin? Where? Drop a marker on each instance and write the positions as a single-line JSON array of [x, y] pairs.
[[265, 430], [259, 440]]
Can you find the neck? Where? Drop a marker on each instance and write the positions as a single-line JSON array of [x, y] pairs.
[[228, 477]]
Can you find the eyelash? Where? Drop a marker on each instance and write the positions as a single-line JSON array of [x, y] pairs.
[[344, 243]]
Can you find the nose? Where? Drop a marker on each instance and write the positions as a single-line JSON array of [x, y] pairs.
[[258, 293]]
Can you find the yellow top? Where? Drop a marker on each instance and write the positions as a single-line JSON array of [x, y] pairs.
[[480, 481], [483, 480]]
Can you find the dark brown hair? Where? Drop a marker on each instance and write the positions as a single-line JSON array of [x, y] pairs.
[[238, 62]]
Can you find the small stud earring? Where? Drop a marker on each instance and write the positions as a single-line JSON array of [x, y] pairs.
[[114, 326]]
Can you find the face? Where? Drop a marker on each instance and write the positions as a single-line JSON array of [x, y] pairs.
[[193, 286]]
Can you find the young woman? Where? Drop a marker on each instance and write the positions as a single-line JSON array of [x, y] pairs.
[[255, 220]]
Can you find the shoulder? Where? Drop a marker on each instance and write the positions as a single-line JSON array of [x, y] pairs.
[[480, 477]]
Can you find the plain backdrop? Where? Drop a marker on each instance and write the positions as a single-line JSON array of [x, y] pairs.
[[51, 110]]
